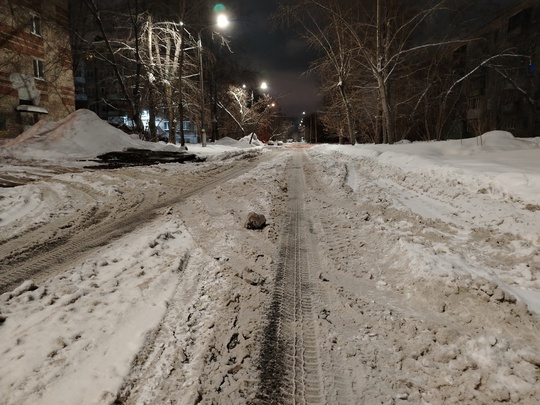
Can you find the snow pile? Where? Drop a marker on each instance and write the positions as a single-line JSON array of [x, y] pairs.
[[81, 135], [227, 141], [251, 139], [496, 161], [228, 148]]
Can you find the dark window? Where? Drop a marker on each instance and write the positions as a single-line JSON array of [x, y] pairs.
[[535, 14], [3, 124], [495, 37], [35, 25], [519, 20], [460, 57], [474, 102], [39, 69]]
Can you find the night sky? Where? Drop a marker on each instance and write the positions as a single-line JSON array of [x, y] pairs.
[[278, 55]]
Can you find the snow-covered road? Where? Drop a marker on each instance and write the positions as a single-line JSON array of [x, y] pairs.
[[385, 274], [416, 286]]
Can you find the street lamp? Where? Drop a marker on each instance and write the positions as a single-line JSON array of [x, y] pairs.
[[262, 86], [222, 21]]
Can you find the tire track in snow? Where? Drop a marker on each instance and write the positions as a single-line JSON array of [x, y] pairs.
[[53, 255], [291, 366]]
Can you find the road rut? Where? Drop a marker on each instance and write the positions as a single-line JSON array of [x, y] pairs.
[[291, 363]]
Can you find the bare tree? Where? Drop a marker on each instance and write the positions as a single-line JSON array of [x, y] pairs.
[[163, 45], [119, 49], [373, 54], [324, 27], [247, 113]]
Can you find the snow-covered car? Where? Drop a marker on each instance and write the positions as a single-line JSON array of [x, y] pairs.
[[279, 143], [270, 142]]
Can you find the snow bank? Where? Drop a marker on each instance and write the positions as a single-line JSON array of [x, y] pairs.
[[253, 138], [227, 141], [509, 167], [81, 135]]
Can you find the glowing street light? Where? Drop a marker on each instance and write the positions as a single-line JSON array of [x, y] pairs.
[[262, 86], [222, 21]]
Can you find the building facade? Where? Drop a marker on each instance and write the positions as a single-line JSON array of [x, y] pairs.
[[502, 91], [36, 74]]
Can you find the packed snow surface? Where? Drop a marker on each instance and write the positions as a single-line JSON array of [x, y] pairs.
[[74, 338]]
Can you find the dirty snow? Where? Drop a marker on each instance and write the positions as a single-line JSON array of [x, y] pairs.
[[461, 223]]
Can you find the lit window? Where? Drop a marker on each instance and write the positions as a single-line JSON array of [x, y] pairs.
[[39, 69], [35, 27]]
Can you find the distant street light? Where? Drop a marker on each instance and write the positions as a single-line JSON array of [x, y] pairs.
[[263, 86], [222, 21]]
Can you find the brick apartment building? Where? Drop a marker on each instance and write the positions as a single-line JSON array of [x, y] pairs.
[[36, 76], [505, 93]]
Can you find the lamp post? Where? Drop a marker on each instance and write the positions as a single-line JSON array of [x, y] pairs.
[[263, 86], [222, 21], [201, 81]]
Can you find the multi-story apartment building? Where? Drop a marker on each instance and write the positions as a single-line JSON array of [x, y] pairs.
[[36, 74], [503, 92]]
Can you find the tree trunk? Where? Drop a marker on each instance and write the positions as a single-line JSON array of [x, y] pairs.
[[386, 119], [215, 129], [152, 115], [168, 95], [137, 91], [348, 112], [378, 126], [181, 83]]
